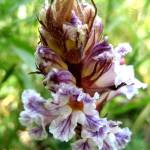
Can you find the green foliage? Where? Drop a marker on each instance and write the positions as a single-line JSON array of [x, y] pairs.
[[123, 21]]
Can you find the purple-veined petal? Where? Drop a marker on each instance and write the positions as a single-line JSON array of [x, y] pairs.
[[117, 138], [92, 119], [38, 133], [100, 48], [86, 98], [30, 94], [98, 69], [107, 79], [123, 137], [94, 36], [97, 135], [46, 59], [84, 144], [69, 90], [130, 90], [34, 103], [92, 122], [100, 133], [55, 77], [25, 118], [114, 124], [122, 49], [37, 130], [109, 142], [63, 127], [109, 136]]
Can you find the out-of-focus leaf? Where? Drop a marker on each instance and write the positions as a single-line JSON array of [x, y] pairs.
[[142, 60], [26, 57], [8, 74], [126, 107], [141, 118]]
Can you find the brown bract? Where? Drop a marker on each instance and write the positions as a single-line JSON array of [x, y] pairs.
[[58, 33]]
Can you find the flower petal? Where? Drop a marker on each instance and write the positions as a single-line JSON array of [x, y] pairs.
[[123, 48], [92, 122], [38, 133], [98, 69], [34, 103], [55, 77], [37, 130], [123, 137], [25, 118], [46, 59], [97, 135], [84, 144], [63, 127], [109, 143], [124, 74]]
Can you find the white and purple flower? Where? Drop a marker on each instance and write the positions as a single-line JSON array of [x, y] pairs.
[[77, 108], [108, 137], [82, 71], [36, 115]]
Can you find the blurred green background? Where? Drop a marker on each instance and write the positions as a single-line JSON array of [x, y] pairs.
[[124, 21]]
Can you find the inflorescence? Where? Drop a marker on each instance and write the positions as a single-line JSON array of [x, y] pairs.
[[82, 71]]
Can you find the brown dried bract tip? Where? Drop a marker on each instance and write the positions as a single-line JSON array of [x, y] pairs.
[[63, 10], [95, 12], [52, 26]]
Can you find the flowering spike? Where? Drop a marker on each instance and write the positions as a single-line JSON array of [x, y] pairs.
[[83, 71]]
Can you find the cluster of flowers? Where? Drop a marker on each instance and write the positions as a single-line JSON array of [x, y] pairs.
[[82, 71]]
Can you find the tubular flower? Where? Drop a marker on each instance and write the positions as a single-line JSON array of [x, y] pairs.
[[82, 70]]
